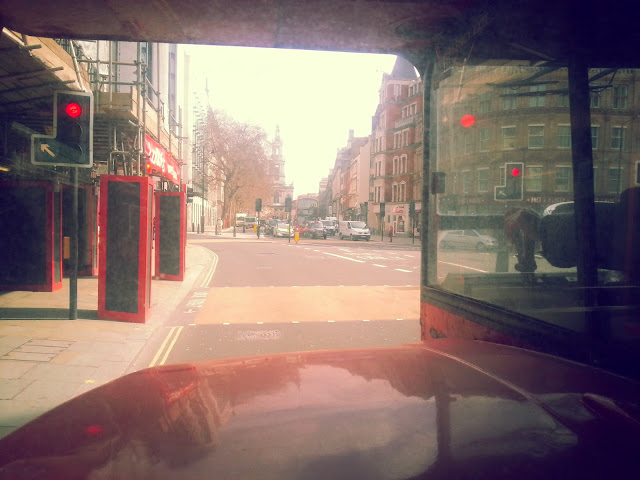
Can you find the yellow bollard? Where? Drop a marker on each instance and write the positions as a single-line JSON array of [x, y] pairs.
[[296, 237], [255, 228]]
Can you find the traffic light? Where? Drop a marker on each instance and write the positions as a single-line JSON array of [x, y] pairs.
[[514, 182], [467, 121], [287, 204], [382, 209], [412, 208], [258, 204], [189, 194], [72, 141]]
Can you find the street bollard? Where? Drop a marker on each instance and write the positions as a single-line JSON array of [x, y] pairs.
[[234, 231]]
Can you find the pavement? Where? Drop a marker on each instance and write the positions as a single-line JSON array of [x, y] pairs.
[[47, 359]]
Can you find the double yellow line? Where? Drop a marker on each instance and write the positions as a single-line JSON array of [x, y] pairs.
[[166, 347]]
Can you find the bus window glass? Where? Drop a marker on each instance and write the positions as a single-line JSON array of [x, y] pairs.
[[507, 232]]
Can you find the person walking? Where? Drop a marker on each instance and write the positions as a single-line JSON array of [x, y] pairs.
[[390, 233]]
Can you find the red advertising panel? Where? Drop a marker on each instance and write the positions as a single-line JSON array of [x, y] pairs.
[[124, 281], [31, 237], [160, 162], [170, 235]]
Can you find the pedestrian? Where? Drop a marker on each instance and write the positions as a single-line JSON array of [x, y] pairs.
[[390, 233]]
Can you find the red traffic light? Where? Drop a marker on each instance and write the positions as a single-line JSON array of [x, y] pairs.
[[515, 172], [467, 120], [73, 109]]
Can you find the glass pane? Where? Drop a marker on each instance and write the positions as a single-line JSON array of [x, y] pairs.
[[507, 226]]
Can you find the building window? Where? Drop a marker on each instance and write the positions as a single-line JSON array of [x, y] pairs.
[[403, 192], [509, 100], [508, 137], [564, 136], [394, 192], [536, 136], [563, 100], [467, 143], [620, 96], [614, 184], [595, 99], [617, 138], [533, 178], [537, 100], [595, 133], [485, 139], [397, 140], [405, 137], [485, 103], [466, 181], [395, 165], [403, 164], [563, 179], [413, 109], [483, 180]]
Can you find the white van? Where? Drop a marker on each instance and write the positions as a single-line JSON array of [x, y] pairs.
[[353, 230]]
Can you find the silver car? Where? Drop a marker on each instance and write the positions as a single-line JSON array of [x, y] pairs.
[[467, 240], [283, 230]]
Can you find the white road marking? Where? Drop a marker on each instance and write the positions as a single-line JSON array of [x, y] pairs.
[[366, 320], [295, 321], [381, 266], [227, 323], [346, 258], [331, 321], [463, 266], [401, 270]]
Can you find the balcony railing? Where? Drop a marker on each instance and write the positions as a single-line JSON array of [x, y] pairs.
[[401, 122]]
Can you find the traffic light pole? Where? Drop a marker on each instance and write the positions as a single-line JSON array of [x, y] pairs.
[[73, 277]]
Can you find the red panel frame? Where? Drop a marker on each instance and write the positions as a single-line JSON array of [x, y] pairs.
[[183, 235], [144, 246], [50, 284]]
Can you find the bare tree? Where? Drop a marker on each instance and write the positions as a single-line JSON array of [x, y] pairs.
[[239, 161]]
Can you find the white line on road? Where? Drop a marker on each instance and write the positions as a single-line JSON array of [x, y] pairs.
[[227, 323], [331, 321], [381, 266], [463, 266], [366, 320], [295, 321], [401, 270], [346, 258]]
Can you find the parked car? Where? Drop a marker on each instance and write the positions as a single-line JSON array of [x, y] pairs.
[[316, 230], [353, 230], [330, 227], [283, 230], [467, 239]]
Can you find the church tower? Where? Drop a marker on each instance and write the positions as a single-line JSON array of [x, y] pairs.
[[277, 160]]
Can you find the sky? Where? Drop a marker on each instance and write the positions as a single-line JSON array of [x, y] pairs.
[[314, 97]]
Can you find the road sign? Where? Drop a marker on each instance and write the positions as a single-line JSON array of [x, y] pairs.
[[71, 143]]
